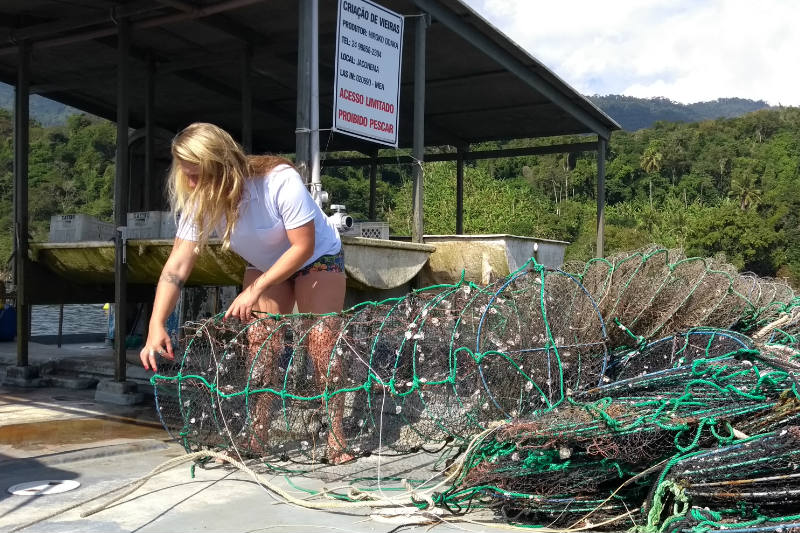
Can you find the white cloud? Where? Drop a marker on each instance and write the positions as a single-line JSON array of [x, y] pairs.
[[685, 50]]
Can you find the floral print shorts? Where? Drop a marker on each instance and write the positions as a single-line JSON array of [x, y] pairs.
[[324, 263]]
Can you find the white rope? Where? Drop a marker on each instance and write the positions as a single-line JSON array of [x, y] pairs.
[[794, 316]]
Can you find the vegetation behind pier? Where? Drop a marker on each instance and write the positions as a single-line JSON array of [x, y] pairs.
[[723, 186]]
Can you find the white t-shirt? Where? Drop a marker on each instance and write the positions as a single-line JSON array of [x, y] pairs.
[[270, 205]]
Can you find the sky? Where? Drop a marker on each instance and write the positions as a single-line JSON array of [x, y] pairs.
[[685, 50]]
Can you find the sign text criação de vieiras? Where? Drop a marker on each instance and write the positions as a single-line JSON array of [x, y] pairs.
[[369, 52]]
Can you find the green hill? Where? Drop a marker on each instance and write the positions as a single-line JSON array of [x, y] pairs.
[[45, 112], [722, 186], [639, 113]]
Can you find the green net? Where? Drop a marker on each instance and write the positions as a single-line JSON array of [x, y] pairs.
[[602, 395]]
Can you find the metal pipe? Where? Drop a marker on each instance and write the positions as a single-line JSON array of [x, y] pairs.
[[418, 150], [316, 180], [601, 195], [373, 185], [121, 185], [303, 89], [21, 147]]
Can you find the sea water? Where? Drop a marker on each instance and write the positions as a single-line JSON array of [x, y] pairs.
[[78, 318]]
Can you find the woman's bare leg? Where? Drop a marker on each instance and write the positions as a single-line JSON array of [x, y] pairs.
[[265, 347], [321, 292]]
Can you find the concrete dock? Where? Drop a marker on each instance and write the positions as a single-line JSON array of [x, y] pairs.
[[54, 433]]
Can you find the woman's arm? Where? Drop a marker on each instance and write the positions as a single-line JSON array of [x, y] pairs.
[[174, 274], [301, 248]]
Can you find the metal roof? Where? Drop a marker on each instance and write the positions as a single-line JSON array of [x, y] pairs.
[[480, 85]]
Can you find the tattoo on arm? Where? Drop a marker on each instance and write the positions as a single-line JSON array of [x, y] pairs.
[[169, 277]]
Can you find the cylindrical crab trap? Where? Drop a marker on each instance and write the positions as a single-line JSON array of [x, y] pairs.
[[572, 396]]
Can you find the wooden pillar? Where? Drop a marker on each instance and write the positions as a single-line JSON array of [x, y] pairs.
[[121, 184], [21, 147], [418, 150], [601, 195]]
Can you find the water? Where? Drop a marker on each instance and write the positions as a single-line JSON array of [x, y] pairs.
[[80, 430], [78, 318]]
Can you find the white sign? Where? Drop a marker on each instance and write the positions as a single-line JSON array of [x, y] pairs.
[[369, 52]]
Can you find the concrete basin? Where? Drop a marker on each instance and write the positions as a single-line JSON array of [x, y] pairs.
[[383, 264], [369, 263], [484, 258], [93, 262]]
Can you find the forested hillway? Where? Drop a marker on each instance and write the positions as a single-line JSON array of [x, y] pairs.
[[723, 186]]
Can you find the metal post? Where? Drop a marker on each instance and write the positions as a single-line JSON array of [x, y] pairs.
[[149, 139], [601, 194], [460, 191], [373, 185], [21, 141], [418, 150], [247, 100], [60, 323], [121, 201], [303, 91], [313, 104]]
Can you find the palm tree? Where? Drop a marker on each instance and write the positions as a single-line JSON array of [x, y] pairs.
[[651, 159], [650, 162], [744, 188]]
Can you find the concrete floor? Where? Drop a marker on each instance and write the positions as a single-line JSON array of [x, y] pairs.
[[51, 433]]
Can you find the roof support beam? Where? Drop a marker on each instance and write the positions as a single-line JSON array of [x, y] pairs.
[[231, 93], [50, 29], [21, 147], [153, 22], [488, 109], [91, 79], [455, 80], [508, 61], [469, 156], [121, 185], [72, 84], [418, 150]]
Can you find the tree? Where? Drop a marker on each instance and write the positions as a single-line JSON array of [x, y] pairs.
[[744, 189], [651, 164], [651, 159]]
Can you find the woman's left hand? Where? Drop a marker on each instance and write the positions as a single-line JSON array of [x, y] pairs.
[[243, 305]]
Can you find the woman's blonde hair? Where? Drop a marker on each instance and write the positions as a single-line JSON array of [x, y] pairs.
[[261, 165], [223, 168]]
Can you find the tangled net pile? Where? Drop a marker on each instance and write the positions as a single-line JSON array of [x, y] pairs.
[[647, 391]]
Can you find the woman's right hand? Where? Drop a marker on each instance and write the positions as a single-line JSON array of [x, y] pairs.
[[158, 343]]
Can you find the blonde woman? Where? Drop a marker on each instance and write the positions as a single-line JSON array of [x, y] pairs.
[[263, 212]]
